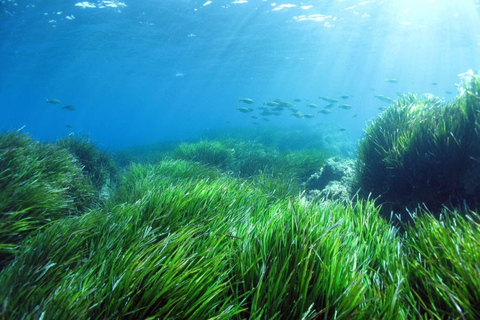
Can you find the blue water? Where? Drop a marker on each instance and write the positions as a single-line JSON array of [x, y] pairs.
[[152, 70]]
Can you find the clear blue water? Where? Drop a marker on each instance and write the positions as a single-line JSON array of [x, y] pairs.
[[144, 71]]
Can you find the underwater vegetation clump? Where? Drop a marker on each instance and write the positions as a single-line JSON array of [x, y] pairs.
[[97, 165], [325, 137], [247, 159], [39, 183], [443, 264], [213, 153], [278, 173], [422, 151]]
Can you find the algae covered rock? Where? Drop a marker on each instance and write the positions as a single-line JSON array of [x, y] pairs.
[[333, 181]]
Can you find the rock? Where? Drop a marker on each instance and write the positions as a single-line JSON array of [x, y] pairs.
[[333, 181]]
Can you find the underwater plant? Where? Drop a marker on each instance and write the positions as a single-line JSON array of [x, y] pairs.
[[207, 248], [97, 165], [185, 240], [247, 159], [301, 164], [149, 153], [213, 153], [281, 139], [443, 265], [138, 179], [39, 183], [421, 150], [251, 158], [275, 186]]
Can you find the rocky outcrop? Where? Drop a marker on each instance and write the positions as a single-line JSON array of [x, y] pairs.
[[334, 181]]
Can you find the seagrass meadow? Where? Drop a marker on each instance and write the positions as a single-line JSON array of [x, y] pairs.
[[220, 229]]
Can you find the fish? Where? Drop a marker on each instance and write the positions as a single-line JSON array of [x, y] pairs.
[[434, 83], [345, 106], [448, 92], [297, 114], [312, 105], [309, 116], [69, 107], [328, 106], [52, 101], [69, 126], [246, 100], [327, 99], [284, 104], [354, 116], [254, 117], [271, 103], [297, 100], [244, 110], [325, 111], [265, 119], [342, 129], [391, 80], [383, 98], [344, 97]]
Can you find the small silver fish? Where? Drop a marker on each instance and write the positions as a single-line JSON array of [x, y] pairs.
[[246, 100], [329, 100], [391, 80], [383, 98], [271, 103], [244, 110], [284, 104], [52, 101]]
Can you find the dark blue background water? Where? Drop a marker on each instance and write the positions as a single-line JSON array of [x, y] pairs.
[[144, 71]]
